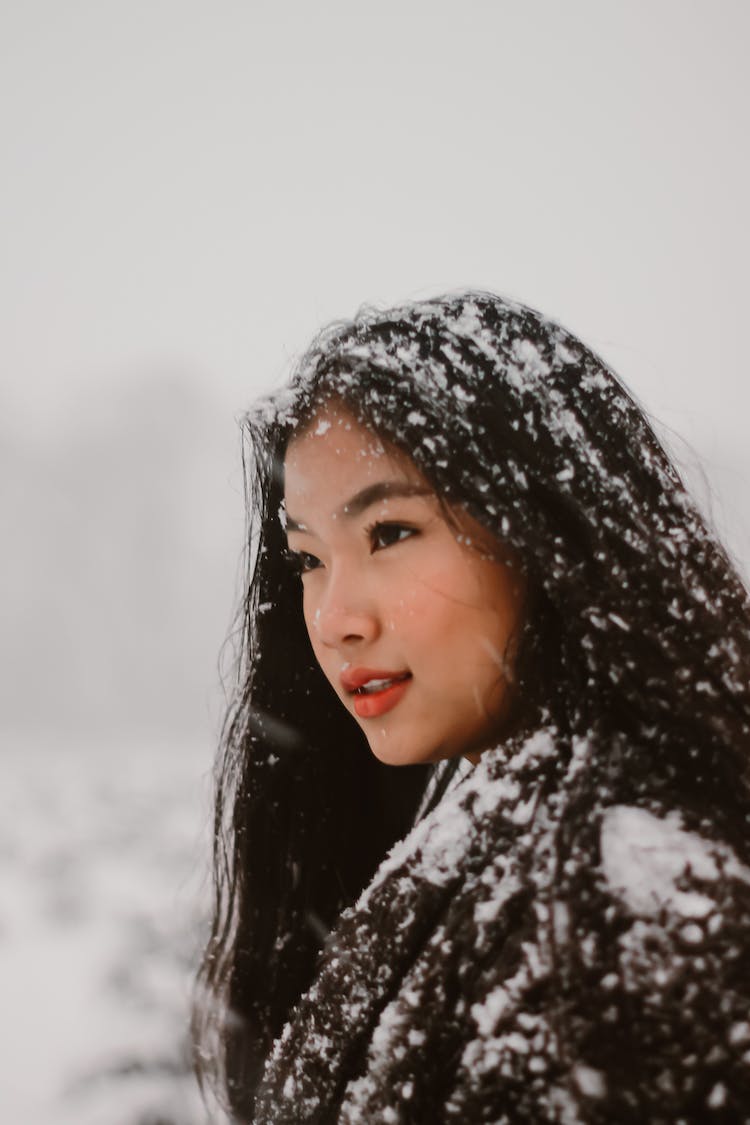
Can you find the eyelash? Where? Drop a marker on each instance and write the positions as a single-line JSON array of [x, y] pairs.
[[378, 526], [297, 561], [300, 560]]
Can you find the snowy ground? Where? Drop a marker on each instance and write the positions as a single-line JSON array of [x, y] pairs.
[[103, 875]]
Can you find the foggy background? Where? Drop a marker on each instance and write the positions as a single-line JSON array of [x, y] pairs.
[[189, 191]]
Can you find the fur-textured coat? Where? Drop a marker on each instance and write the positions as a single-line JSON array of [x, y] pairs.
[[495, 971]]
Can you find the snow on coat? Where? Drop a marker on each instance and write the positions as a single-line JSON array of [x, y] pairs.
[[462, 988]]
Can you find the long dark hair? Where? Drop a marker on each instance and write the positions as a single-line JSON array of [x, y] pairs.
[[637, 641]]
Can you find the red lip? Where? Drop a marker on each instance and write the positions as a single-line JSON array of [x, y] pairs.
[[354, 678], [378, 702]]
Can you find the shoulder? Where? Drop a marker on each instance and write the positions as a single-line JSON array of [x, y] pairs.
[[652, 863], [675, 972]]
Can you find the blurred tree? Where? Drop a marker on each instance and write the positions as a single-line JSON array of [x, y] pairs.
[[121, 543]]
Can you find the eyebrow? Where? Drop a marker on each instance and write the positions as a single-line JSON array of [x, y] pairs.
[[356, 504]]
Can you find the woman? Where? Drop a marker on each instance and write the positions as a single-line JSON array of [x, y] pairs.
[[473, 561]]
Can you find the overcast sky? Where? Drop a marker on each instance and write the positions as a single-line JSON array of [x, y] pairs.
[[197, 187]]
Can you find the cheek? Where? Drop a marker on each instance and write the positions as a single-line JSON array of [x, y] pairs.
[[329, 664], [418, 609], [453, 597], [437, 625], [467, 617], [310, 615]]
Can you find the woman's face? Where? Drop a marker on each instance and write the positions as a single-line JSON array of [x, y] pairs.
[[409, 617]]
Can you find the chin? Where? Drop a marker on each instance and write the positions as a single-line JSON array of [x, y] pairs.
[[395, 753]]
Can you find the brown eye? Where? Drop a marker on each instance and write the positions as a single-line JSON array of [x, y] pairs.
[[387, 534], [302, 562]]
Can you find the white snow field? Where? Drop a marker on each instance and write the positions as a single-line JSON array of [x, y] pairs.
[[103, 892]]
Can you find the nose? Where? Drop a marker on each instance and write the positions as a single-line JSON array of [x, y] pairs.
[[345, 614]]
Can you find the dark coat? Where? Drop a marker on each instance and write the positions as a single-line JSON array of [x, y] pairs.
[[498, 969]]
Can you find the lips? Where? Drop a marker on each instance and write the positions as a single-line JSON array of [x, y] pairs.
[[371, 679], [375, 691]]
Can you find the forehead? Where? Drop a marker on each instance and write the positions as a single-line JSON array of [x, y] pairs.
[[335, 455], [334, 432]]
